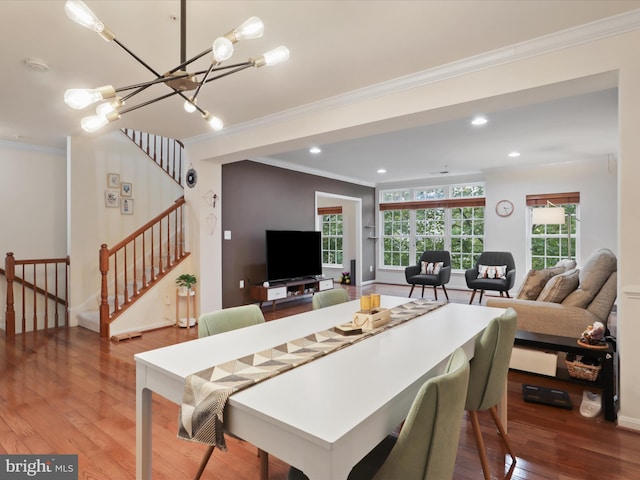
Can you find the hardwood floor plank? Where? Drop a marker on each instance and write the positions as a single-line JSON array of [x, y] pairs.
[[67, 391]]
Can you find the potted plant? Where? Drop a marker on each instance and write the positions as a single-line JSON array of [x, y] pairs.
[[186, 281]]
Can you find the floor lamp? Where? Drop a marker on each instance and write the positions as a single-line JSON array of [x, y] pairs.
[[552, 215]]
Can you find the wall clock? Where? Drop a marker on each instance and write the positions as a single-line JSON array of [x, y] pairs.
[[192, 177], [504, 208]]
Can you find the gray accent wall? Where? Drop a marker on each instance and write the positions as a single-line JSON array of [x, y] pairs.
[[257, 197]]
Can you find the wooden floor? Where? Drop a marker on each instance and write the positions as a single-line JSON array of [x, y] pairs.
[[68, 392]]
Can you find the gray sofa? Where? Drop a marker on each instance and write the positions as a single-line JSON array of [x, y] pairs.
[[564, 300]]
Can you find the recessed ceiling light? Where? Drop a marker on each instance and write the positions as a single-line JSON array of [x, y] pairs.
[[315, 150], [479, 120], [514, 154], [382, 170]]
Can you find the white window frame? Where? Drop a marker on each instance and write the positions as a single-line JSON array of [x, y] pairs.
[[336, 237], [575, 236], [413, 236]]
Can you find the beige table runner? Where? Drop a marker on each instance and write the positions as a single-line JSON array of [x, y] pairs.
[[206, 392]]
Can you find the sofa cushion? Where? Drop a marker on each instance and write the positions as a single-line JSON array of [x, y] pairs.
[[593, 275], [535, 280], [559, 286], [601, 305]]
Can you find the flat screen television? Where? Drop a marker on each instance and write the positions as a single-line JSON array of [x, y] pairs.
[[293, 254]]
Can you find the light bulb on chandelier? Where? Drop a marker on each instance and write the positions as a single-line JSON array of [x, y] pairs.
[[177, 79]]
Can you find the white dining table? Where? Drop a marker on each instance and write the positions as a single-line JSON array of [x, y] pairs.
[[324, 416]]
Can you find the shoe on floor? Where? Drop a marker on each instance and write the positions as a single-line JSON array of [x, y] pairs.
[[591, 405]]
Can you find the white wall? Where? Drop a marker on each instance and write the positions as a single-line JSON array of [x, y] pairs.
[[595, 180], [34, 195], [34, 192], [527, 68]]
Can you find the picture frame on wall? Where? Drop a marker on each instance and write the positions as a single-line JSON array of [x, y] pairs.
[[113, 180], [126, 206], [111, 198], [126, 189]]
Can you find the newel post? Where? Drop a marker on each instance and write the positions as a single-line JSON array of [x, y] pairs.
[[10, 314], [104, 291]]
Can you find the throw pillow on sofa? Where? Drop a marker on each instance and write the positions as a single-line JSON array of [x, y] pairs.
[[536, 280], [560, 286], [593, 275]]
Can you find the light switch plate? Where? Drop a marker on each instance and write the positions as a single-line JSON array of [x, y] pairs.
[[227, 234]]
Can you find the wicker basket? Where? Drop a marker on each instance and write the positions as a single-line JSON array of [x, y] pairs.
[[583, 371]]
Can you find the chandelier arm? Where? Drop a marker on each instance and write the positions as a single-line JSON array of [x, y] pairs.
[[137, 58], [249, 64], [191, 60], [151, 82], [204, 80], [149, 102], [227, 67], [127, 97]]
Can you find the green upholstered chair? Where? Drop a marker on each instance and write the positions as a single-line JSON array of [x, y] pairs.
[[227, 319], [487, 381], [329, 297], [427, 444], [221, 321]]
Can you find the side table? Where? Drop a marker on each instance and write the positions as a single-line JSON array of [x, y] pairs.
[[606, 378], [188, 297]]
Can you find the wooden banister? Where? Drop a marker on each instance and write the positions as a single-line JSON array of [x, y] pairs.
[[167, 153], [129, 260], [40, 276]]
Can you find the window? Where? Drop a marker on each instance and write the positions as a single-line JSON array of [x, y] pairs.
[[467, 236], [431, 226], [331, 221], [550, 243], [396, 238], [432, 218]]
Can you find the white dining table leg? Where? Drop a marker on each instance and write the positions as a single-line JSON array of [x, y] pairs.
[[143, 428]]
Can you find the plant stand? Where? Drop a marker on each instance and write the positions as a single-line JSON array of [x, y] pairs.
[[188, 297]]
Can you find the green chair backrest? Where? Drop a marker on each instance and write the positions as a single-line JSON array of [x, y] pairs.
[[428, 442], [229, 319], [329, 297], [490, 362]]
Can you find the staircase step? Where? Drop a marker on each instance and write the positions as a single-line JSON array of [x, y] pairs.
[[90, 319]]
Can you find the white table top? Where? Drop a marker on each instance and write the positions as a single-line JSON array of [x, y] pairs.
[[323, 415]]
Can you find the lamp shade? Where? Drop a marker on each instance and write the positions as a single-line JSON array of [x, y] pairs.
[[548, 216]]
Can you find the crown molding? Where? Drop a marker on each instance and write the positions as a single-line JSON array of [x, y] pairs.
[[589, 32], [32, 147], [311, 171]]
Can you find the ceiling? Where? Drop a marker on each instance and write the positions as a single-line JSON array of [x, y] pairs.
[[336, 47]]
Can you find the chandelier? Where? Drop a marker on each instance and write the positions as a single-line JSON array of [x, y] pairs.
[[180, 82]]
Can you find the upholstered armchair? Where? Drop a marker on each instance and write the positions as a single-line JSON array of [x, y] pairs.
[[494, 271], [433, 269], [329, 297]]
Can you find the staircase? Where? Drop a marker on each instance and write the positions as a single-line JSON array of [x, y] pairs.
[[134, 265], [127, 270]]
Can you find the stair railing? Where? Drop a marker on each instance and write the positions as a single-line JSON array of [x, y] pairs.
[[167, 153], [43, 291], [132, 266]]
